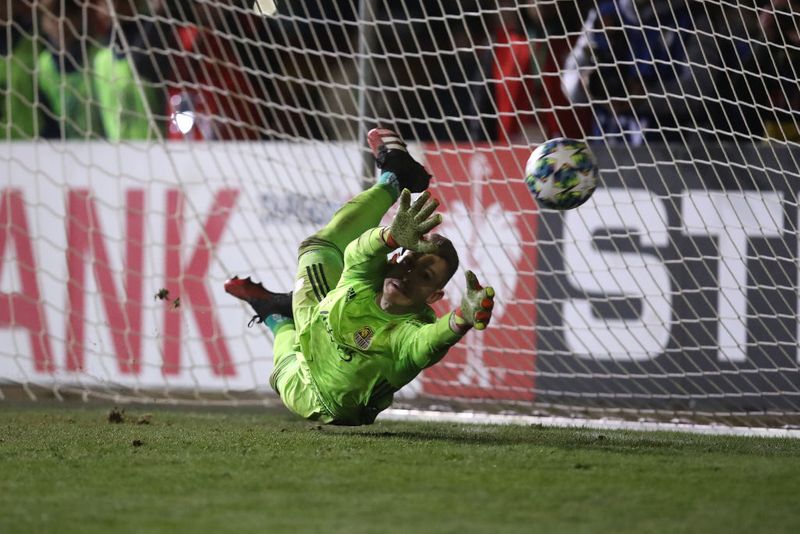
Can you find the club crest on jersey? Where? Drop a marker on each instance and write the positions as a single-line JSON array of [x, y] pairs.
[[363, 337]]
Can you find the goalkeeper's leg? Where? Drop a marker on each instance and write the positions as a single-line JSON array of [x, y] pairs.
[[320, 262], [321, 257], [291, 378], [365, 210]]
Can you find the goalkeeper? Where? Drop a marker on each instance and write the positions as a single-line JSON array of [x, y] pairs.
[[358, 327]]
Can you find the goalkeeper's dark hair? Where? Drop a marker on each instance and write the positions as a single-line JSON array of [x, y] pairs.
[[447, 252]]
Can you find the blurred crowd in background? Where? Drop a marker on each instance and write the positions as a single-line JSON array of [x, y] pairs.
[[627, 71]]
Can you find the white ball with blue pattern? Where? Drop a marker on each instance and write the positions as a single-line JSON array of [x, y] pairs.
[[561, 173]]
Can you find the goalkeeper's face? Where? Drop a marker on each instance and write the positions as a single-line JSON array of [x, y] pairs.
[[412, 281]]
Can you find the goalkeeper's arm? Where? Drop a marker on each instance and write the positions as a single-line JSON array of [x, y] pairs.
[[428, 344]]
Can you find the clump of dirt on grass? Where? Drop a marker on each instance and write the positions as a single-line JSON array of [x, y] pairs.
[[116, 416], [144, 419]]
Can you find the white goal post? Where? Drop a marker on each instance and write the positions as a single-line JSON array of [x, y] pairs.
[[155, 148]]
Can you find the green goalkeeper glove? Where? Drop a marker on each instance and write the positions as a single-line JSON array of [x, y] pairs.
[[412, 222], [476, 307]]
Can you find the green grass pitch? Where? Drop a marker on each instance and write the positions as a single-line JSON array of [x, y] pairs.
[[68, 469]]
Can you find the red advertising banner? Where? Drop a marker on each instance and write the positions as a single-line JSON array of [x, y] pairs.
[[491, 218]]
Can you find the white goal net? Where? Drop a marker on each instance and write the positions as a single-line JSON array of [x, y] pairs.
[[154, 148]]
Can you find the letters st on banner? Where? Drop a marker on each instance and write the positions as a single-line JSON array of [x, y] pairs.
[[674, 286], [491, 217]]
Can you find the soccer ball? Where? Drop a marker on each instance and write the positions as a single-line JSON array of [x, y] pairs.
[[561, 173]]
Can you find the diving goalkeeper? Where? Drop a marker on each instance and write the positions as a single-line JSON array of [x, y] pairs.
[[358, 326]]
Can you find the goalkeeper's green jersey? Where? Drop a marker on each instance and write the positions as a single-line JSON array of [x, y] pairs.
[[360, 355]]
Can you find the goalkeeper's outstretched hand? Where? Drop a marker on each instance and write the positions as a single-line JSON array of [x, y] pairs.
[[476, 306], [413, 221]]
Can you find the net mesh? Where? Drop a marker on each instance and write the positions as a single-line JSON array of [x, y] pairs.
[[156, 148]]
